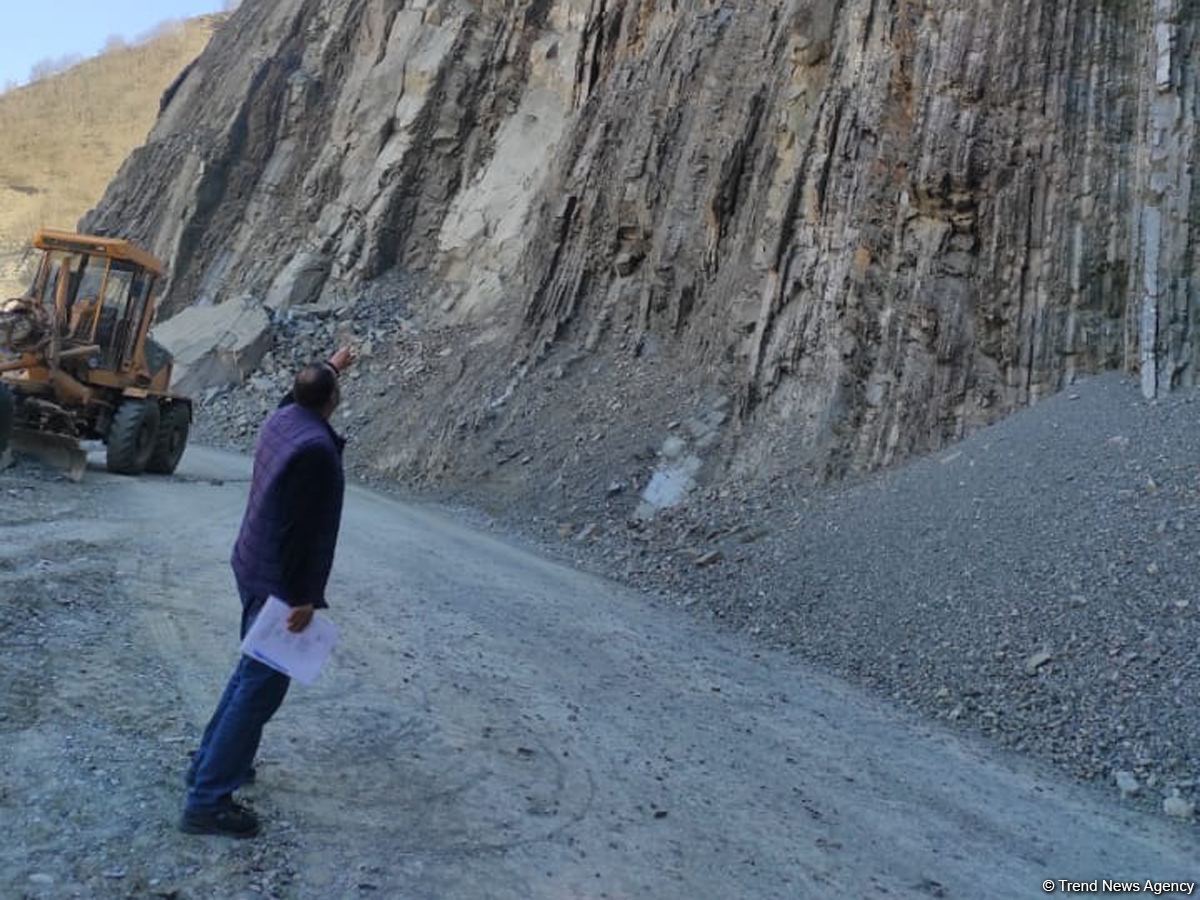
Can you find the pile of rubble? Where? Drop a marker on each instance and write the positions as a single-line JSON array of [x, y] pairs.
[[237, 359]]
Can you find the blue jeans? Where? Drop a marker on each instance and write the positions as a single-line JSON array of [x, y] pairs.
[[252, 696]]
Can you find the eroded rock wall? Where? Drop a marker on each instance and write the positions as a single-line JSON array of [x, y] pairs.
[[319, 144], [877, 224], [900, 220]]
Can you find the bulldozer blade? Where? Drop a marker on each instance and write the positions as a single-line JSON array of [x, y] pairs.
[[55, 450]]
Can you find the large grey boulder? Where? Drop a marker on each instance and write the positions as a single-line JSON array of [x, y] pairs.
[[215, 345]]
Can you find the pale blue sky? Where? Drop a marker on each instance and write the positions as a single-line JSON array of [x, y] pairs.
[[31, 31]]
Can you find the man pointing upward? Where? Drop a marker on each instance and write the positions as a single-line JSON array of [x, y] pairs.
[[285, 549]]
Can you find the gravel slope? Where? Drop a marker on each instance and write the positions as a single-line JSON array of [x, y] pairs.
[[1037, 583]]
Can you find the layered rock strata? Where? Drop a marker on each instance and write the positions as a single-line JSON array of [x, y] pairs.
[[875, 224]]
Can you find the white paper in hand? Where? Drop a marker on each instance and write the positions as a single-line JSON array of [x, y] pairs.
[[298, 656]]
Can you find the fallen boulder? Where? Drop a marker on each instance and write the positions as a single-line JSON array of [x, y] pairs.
[[215, 346]]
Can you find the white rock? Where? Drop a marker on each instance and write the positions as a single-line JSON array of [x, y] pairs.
[[1127, 783], [673, 447], [1179, 808], [669, 487], [1035, 662]]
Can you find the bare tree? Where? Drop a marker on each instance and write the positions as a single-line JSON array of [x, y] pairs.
[[51, 66]]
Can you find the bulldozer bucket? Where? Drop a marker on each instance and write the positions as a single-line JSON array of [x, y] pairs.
[[55, 450]]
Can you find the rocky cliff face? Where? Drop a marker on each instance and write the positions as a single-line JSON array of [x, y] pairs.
[[833, 233]]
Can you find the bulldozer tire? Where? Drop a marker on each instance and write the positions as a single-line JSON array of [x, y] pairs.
[[132, 437], [173, 427]]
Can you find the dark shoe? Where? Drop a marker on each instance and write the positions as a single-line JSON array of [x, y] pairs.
[[231, 820]]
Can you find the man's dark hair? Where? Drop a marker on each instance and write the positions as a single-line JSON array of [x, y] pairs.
[[315, 386]]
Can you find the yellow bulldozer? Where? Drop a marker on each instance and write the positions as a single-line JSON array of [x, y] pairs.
[[77, 362]]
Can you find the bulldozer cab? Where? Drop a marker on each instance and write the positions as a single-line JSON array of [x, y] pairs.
[[99, 293]]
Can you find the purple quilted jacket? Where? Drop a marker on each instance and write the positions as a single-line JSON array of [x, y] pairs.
[[289, 533]]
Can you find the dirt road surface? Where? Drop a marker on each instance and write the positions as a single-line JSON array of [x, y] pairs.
[[493, 725]]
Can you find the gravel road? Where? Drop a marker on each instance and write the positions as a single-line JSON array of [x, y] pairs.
[[493, 725]]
